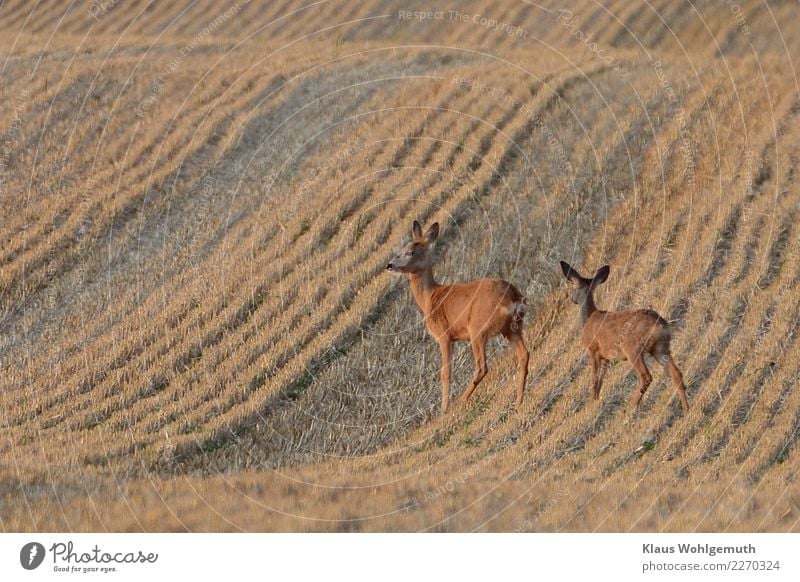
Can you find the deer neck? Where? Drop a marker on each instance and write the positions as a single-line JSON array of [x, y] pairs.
[[587, 308], [422, 286]]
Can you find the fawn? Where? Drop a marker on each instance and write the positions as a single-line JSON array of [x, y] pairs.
[[622, 335], [473, 311]]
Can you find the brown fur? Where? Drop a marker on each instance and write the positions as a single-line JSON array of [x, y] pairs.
[[474, 312], [459, 309], [622, 335]]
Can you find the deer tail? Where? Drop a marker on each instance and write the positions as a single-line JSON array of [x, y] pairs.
[[518, 310]]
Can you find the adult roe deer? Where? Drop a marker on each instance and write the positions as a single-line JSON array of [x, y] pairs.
[[622, 335], [474, 311]]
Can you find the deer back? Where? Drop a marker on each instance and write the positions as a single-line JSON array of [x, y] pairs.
[[615, 332]]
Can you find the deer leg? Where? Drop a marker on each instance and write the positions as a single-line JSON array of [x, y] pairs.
[[478, 344], [446, 348], [594, 360], [644, 377], [523, 357], [601, 372], [676, 377], [598, 371]]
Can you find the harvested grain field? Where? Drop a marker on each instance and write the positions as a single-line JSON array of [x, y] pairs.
[[197, 331]]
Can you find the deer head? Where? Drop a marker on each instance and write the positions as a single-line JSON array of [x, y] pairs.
[[583, 288], [415, 257]]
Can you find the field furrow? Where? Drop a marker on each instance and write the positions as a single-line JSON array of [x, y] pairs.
[[197, 328]]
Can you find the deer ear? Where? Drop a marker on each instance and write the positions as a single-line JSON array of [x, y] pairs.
[[416, 230], [433, 232], [602, 275], [572, 275]]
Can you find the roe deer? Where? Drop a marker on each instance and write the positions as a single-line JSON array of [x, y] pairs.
[[474, 311], [622, 335]]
